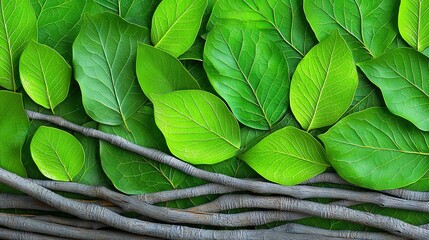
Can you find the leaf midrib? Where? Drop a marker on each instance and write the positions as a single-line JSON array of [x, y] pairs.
[[381, 148], [9, 47], [247, 80], [300, 158], [175, 22], [206, 128], [277, 29]]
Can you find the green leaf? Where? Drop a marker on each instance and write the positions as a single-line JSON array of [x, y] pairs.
[[369, 27], [413, 23], [175, 24], [421, 185], [233, 167], [401, 75], [104, 62], [91, 172], [288, 156], [249, 71], [17, 28], [195, 52], [134, 11], [323, 84], [197, 125], [158, 72], [14, 127], [57, 154], [196, 69], [284, 18], [378, 150], [132, 173], [45, 75], [58, 23]]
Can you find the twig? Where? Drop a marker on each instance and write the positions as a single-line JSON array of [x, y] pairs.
[[22, 235], [392, 225], [400, 193], [298, 228], [300, 192], [27, 224], [79, 223], [166, 196], [94, 212]]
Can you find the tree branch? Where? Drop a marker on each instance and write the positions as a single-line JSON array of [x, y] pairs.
[[298, 228], [74, 222], [97, 213], [13, 235]]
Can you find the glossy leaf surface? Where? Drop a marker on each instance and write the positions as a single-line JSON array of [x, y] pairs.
[[175, 24], [323, 84], [17, 28], [401, 75], [14, 127], [378, 150], [45, 75], [104, 63], [288, 156], [197, 125], [413, 23], [158, 72], [58, 23], [57, 154], [249, 71], [369, 27], [284, 18]]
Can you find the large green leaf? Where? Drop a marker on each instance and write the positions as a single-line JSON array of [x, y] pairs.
[[58, 23], [57, 154], [401, 74], [377, 150], [413, 23], [197, 125], [17, 28], [14, 127], [421, 185], [158, 72], [45, 75], [135, 11], [288, 156], [369, 27], [132, 173], [104, 62], [175, 24], [285, 18], [323, 84], [249, 71]]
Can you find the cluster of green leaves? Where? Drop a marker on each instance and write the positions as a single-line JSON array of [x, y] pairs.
[[291, 88]]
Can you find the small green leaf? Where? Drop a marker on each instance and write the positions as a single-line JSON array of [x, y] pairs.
[[57, 154], [104, 66], [284, 18], [197, 125], [413, 23], [323, 84], [14, 127], [58, 23], [288, 156], [401, 74], [158, 72], [378, 150], [45, 75], [17, 28], [175, 24], [249, 71], [369, 27]]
